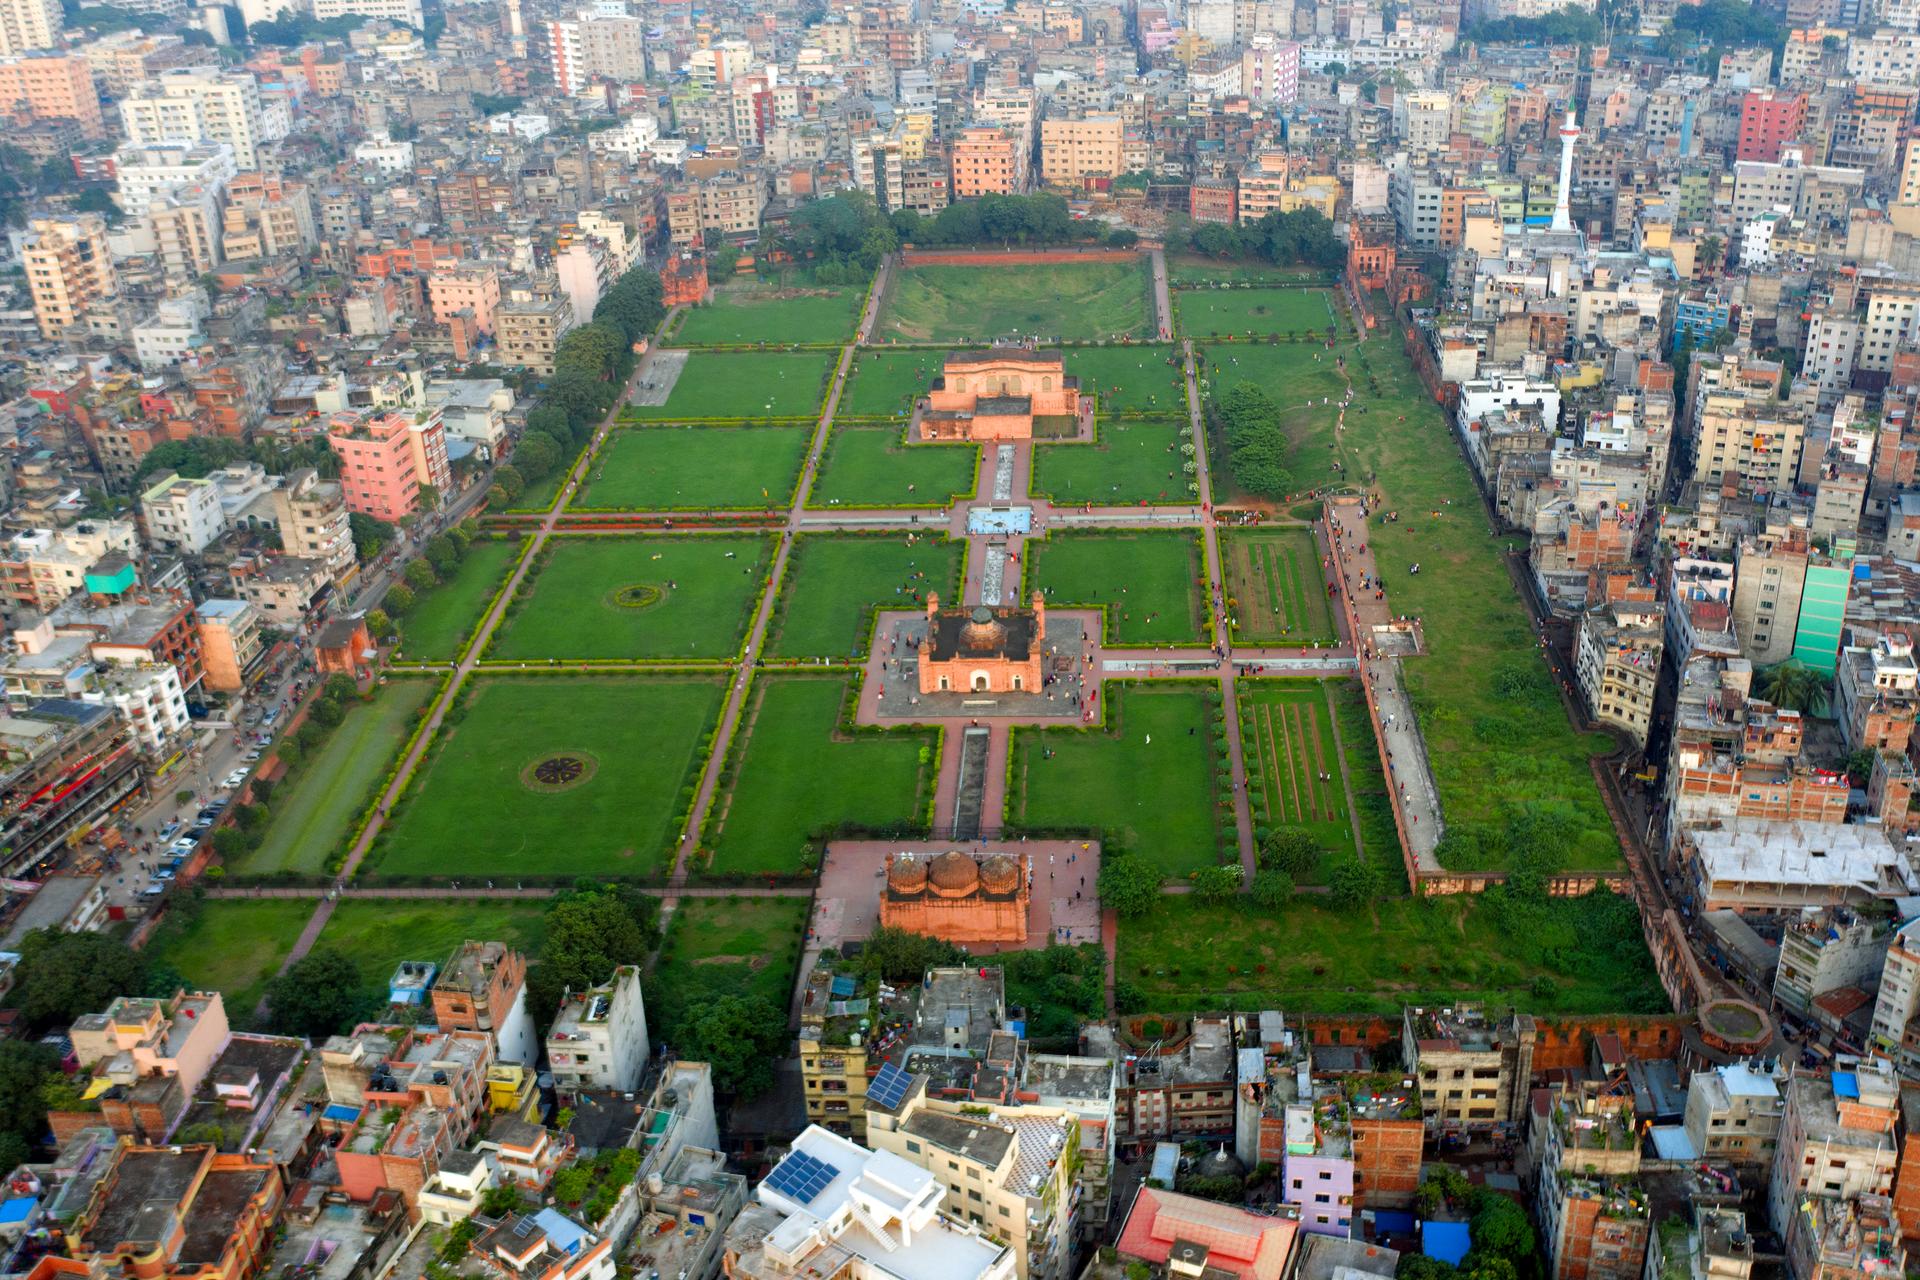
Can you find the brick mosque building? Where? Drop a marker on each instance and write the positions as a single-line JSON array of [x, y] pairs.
[[996, 395], [983, 650], [956, 896]]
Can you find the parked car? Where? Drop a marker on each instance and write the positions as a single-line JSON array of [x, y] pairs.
[[165, 873], [253, 756], [235, 779], [154, 890], [183, 847], [166, 832]]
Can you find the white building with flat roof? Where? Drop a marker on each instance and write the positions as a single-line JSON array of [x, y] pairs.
[[833, 1204], [1751, 864]]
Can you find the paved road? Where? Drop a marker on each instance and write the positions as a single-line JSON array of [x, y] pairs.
[[1162, 297]]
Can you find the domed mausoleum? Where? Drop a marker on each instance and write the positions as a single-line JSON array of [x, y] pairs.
[[957, 896]]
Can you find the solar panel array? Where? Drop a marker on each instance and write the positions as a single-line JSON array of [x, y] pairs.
[[801, 1177], [889, 1087]]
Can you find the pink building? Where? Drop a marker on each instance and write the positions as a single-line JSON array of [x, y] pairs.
[[385, 458], [1207, 1237], [470, 288], [136, 1038]]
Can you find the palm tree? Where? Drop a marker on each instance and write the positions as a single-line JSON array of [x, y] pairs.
[[1794, 684]]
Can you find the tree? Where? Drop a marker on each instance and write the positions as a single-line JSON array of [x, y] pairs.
[[25, 1067], [1216, 884], [1710, 253], [1795, 685], [899, 955], [442, 555], [1290, 849], [379, 625], [399, 598], [318, 996], [1860, 766], [420, 575], [1257, 446], [741, 1037], [1499, 1228], [370, 536], [63, 975], [232, 843], [1352, 884], [591, 930], [1129, 884], [1272, 889], [536, 456], [1418, 1266], [429, 497], [510, 481]]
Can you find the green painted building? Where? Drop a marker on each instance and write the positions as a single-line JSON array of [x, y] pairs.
[[1823, 611]]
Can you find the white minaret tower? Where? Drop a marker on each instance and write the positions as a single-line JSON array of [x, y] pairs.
[[1562, 217]]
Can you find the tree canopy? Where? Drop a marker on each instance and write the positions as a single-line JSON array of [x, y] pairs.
[[63, 975], [741, 1037], [318, 996], [591, 930], [1257, 446]]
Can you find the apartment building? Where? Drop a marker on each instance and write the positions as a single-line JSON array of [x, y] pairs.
[[1617, 659], [50, 87], [1756, 442], [69, 270], [1826, 952], [1733, 1114], [985, 161], [471, 292], [599, 1038], [386, 458], [198, 104], [312, 517], [182, 514], [483, 987], [26, 25], [231, 646], [1473, 1069], [528, 328], [1836, 1138], [1075, 150], [1594, 1215], [729, 204]]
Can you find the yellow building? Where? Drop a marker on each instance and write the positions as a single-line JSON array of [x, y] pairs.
[[1071, 151], [68, 270], [511, 1090]]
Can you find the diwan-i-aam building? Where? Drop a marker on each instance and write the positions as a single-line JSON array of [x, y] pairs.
[[996, 394], [983, 650]]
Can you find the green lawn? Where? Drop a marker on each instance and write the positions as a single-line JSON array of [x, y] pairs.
[[539, 495], [726, 947], [1287, 740], [695, 468], [616, 597], [761, 313], [1070, 302], [875, 467], [1298, 382], [1367, 779], [233, 946], [1129, 462], [834, 582], [1276, 587], [1191, 271], [1568, 956], [438, 626], [315, 810], [793, 779], [884, 383], [744, 384], [1148, 583], [1146, 379], [1146, 781], [1497, 736], [1200, 312], [380, 933], [479, 805]]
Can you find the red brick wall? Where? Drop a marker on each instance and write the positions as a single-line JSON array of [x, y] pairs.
[[1386, 1161], [1025, 257]]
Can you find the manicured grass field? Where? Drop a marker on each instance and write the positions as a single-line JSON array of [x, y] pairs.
[[744, 384], [833, 582], [314, 812], [541, 494], [760, 313], [1276, 589], [1130, 462], [1146, 379], [1068, 302], [381, 933], [233, 946], [1287, 739], [1200, 312], [696, 468], [726, 947], [1367, 781], [440, 622], [1189, 271], [793, 780], [885, 383], [480, 806], [875, 467], [1189, 956], [1293, 377], [1148, 583], [1497, 736], [1158, 798], [692, 598]]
